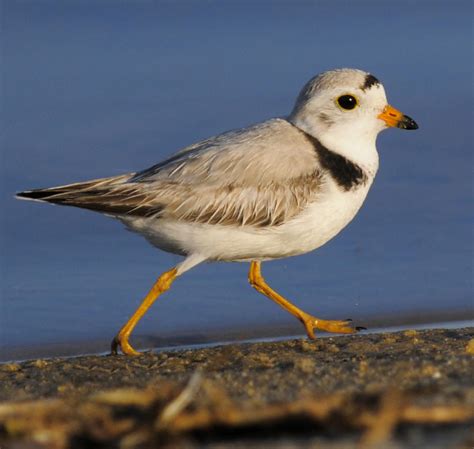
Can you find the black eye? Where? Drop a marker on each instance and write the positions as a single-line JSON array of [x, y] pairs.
[[347, 102]]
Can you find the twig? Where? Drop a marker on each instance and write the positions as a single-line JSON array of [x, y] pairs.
[[175, 407]]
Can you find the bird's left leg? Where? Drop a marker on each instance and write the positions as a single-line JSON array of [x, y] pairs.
[[163, 283], [310, 322]]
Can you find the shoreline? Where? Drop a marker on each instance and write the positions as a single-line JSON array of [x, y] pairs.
[[367, 390], [199, 339]]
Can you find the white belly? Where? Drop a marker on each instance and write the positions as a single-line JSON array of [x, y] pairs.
[[317, 224]]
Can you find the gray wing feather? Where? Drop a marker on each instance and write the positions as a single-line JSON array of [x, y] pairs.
[[260, 176]]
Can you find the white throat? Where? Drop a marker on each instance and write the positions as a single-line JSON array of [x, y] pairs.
[[356, 144]]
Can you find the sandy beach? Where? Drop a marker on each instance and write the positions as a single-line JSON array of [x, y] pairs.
[[388, 390]]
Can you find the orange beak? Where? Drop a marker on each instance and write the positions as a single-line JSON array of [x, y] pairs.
[[394, 118]]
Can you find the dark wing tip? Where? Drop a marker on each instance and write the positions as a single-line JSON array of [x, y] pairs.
[[32, 194]]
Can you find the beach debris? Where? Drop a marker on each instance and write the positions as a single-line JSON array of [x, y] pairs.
[[132, 418]]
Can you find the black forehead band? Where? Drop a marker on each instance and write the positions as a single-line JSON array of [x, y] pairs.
[[369, 81]]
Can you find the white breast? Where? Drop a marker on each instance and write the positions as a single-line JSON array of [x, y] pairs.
[[317, 224]]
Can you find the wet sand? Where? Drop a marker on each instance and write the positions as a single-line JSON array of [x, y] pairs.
[[388, 390]]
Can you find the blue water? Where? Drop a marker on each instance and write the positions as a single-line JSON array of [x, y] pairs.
[[94, 89]]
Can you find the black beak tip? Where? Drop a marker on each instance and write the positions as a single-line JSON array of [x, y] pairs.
[[407, 123]]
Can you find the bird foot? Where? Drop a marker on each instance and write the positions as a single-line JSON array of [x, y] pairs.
[[337, 326], [121, 341]]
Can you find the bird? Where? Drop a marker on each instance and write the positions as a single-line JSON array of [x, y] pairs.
[[276, 189]]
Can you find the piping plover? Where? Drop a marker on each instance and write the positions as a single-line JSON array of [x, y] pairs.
[[276, 189]]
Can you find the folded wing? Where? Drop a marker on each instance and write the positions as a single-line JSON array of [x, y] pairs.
[[258, 176]]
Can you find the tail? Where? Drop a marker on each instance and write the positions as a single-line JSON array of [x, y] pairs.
[[108, 195]]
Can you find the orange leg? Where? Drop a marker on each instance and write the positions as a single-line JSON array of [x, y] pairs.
[[310, 322], [121, 339]]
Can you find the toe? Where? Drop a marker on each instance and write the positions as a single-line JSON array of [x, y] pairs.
[[339, 327], [124, 345], [128, 350]]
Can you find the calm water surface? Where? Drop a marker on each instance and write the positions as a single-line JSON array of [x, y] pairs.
[[92, 90]]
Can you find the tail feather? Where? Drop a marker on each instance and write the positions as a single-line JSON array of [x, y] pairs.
[[109, 195]]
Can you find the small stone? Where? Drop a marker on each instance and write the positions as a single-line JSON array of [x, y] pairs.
[[305, 364], [363, 367], [62, 388], [12, 367], [40, 363], [431, 371], [411, 333], [264, 360], [470, 347], [308, 346], [389, 339]]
